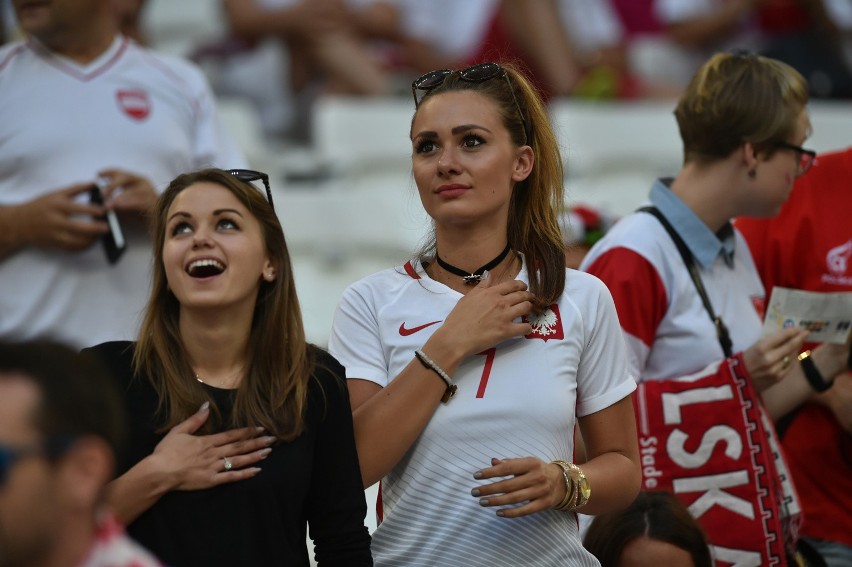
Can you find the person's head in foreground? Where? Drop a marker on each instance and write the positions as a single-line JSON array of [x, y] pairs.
[[655, 530], [60, 431]]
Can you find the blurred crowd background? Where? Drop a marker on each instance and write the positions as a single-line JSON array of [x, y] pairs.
[[317, 93]]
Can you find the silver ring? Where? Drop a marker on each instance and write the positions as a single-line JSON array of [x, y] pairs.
[[228, 464]]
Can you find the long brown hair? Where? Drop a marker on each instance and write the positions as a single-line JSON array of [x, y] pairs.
[[279, 363], [538, 201]]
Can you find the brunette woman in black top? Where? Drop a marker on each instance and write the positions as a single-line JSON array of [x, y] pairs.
[[241, 432]]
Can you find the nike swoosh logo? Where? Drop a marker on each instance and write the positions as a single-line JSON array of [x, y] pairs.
[[405, 332]]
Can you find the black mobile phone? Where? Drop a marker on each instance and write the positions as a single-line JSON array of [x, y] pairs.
[[113, 241]]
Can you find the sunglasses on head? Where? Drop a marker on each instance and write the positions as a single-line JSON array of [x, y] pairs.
[[50, 449], [475, 74], [249, 175]]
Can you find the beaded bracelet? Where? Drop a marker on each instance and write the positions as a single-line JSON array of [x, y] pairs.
[[433, 366]]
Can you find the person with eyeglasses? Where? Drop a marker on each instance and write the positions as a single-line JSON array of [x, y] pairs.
[[61, 432], [691, 304], [469, 365], [93, 123], [808, 246], [240, 431]]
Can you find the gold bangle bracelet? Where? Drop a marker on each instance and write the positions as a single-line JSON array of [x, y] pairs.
[[582, 490], [570, 493]]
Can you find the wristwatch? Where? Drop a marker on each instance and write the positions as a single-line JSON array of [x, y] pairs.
[[812, 373], [583, 490]]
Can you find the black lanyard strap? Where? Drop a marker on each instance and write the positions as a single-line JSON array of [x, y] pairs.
[[721, 329]]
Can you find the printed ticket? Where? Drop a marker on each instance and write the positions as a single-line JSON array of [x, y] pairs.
[[828, 316]]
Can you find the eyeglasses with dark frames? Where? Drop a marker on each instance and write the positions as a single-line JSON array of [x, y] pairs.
[[50, 449], [475, 74], [249, 175], [806, 157]]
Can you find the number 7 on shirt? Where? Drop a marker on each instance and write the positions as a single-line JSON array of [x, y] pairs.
[[489, 354]]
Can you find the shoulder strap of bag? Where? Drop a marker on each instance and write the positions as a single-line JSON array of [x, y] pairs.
[[721, 329]]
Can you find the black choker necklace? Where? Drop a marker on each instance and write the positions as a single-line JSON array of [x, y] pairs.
[[475, 277]]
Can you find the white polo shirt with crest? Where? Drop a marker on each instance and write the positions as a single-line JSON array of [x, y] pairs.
[[62, 122]]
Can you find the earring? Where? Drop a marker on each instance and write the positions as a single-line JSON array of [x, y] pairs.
[[270, 276], [752, 173]]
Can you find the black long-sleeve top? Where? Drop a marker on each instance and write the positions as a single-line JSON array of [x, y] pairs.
[[257, 522]]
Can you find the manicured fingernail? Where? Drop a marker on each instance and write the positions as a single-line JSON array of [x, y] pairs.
[[483, 501], [501, 513], [474, 492], [264, 452], [254, 470], [260, 429], [268, 440], [204, 407], [477, 475]]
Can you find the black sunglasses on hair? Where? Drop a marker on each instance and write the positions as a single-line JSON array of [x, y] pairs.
[[475, 74], [50, 449], [806, 157], [249, 175]]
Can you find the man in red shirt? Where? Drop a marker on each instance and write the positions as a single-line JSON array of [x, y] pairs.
[[808, 246]]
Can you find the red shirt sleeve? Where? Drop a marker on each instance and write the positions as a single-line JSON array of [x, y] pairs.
[[637, 289]]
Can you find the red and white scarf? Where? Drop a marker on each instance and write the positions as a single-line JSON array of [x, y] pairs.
[[708, 440]]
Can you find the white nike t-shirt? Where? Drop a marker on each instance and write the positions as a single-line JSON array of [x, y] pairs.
[[517, 399]]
